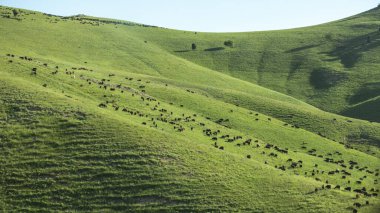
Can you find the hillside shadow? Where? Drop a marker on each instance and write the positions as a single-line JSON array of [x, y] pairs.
[[215, 49], [367, 91], [350, 51], [302, 48], [368, 110], [325, 78], [181, 51], [297, 61]]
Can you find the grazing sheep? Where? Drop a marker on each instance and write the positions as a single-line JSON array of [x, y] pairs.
[[34, 71], [103, 105]]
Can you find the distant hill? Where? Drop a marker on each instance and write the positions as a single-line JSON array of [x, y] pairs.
[[328, 65]]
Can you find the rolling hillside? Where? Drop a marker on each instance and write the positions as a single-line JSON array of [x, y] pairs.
[[335, 64], [107, 115]]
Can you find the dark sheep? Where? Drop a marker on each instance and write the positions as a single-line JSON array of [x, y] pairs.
[[268, 146], [103, 105], [34, 71]]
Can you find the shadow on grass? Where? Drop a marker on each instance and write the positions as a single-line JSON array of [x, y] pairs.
[[302, 48], [350, 51], [215, 49], [181, 51], [324, 78], [366, 92]]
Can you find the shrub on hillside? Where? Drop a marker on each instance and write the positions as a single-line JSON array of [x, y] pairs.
[[229, 43], [15, 12], [193, 46]]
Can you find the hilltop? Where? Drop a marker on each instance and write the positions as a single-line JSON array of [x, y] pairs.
[[106, 115]]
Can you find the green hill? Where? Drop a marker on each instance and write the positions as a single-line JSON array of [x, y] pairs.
[[107, 115], [332, 63]]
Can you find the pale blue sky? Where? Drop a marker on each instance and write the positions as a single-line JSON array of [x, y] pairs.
[[207, 15]]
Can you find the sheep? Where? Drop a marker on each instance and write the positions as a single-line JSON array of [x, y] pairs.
[[103, 105], [34, 71]]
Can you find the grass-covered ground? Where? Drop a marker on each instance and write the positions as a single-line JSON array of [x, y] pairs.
[[104, 115], [335, 64]]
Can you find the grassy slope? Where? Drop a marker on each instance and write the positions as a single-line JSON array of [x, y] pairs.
[[123, 51], [332, 63], [60, 150]]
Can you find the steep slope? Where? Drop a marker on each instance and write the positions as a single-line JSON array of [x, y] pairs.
[[93, 118], [116, 48], [332, 62]]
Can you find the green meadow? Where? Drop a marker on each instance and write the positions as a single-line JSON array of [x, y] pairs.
[[102, 115]]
